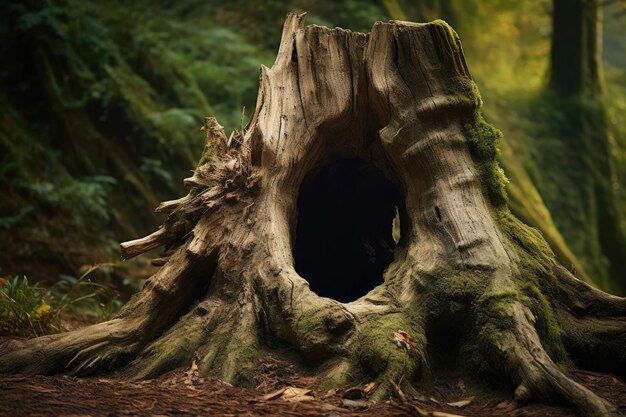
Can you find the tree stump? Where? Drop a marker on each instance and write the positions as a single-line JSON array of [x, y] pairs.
[[350, 129]]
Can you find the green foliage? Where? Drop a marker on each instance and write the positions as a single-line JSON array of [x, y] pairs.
[[30, 310], [24, 308], [102, 104]]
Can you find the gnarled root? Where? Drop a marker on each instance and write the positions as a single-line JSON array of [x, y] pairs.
[[594, 324], [100, 347], [509, 336], [518, 333], [108, 345]]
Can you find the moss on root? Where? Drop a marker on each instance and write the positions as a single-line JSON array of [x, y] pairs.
[[341, 372], [168, 353], [548, 328], [536, 255], [461, 286], [321, 331], [493, 310], [379, 353], [230, 355], [242, 364]]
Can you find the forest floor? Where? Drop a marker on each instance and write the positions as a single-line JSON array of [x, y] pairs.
[[283, 389]]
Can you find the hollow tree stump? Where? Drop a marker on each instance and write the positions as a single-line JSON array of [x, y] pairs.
[[382, 122]]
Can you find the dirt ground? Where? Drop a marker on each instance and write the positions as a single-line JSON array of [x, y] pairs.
[[283, 389]]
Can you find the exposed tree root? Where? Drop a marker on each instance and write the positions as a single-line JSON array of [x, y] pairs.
[[509, 334], [593, 322], [108, 345]]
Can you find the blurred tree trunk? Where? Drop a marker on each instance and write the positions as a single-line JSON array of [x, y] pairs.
[[577, 83]]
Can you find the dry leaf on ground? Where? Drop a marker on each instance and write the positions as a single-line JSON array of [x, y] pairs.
[[291, 394], [462, 403]]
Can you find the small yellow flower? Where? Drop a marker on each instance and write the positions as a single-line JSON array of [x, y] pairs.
[[42, 310]]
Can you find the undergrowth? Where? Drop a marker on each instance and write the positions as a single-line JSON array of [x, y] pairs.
[[30, 310]]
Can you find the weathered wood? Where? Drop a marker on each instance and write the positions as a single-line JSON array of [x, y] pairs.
[[136, 247], [168, 207]]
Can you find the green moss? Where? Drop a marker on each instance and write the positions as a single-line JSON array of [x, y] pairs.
[[494, 309], [547, 327], [312, 322], [340, 373], [457, 286], [320, 330], [207, 156], [494, 317], [483, 140], [452, 35], [233, 357], [379, 353], [174, 350], [537, 259], [245, 361]]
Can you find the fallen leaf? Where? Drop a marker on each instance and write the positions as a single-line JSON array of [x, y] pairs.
[[462, 403], [329, 393], [433, 399], [194, 367], [291, 394], [191, 374], [404, 340], [354, 403], [369, 387], [273, 395]]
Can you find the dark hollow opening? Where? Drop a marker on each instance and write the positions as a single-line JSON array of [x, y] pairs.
[[344, 238]]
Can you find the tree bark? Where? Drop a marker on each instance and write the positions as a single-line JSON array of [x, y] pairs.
[[466, 272], [577, 83]]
